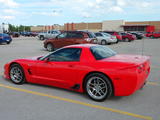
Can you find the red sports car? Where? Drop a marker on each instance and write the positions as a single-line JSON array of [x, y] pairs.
[[93, 69]]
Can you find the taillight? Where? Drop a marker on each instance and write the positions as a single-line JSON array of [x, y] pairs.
[[141, 68]]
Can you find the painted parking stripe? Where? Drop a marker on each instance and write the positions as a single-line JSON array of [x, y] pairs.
[[78, 102], [153, 83], [155, 67]]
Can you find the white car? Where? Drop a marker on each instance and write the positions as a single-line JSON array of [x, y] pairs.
[[105, 38], [48, 34]]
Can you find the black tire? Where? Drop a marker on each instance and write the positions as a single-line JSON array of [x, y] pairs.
[[127, 40], [50, 47], [152, 37], [103, 42], [105, 87], [117, 41], [41, 37], [17, 77], [8, 42]]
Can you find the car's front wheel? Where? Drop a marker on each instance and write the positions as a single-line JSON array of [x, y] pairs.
[[98, 87], [50, 47], [17, 74], [9, 42], [41, 37], [127, 40]]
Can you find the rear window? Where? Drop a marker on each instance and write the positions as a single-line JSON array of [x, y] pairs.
[[101, 52]]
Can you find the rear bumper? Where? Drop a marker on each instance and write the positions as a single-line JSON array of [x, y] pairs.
[[130, 82]]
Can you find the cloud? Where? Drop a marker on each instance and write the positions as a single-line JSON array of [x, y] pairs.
[[9, 3], [116, 9], [54, 13], [86, 15], [11, 11], [7, 17]]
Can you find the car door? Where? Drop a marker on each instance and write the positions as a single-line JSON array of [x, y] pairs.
[[60, 69], [73, 38], [60, 40], [99, 37]]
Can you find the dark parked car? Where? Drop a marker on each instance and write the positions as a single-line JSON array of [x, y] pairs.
[[138, 35], [33, 34], [69, 38], [15, 34], [26, 34], [5, 38]]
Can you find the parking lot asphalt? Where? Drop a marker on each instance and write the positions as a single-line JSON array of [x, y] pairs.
[[38, 102]]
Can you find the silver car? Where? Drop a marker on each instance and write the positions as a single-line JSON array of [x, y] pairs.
[[105, 38]]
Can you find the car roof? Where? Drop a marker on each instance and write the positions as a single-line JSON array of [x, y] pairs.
[[81, 46]]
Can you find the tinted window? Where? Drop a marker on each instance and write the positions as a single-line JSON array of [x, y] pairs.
[[98, 34], [123, 33], [63, 35], [66, 54], [74, 35], [101, 52]]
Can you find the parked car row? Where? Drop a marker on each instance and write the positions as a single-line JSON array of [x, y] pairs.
[[57, 39], [153, 34]]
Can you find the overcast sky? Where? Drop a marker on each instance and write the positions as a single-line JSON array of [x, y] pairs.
[[48, 12]]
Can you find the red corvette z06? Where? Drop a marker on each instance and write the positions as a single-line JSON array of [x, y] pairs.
[[93, 69]]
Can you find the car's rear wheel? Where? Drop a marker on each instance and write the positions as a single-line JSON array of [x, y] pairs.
[[50, 47], [103, 42], [117, 41], [98, 87], [17, 74], [152, 37]]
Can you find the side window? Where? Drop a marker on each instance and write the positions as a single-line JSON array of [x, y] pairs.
[[75, 35], [66, 54], [98, 34], [123, 33], [53, 32], [63, 35], [49, 31]]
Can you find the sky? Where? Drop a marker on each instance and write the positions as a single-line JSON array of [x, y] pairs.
[[49, 12]]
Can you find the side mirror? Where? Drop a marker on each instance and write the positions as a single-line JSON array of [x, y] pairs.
[[46, 60]]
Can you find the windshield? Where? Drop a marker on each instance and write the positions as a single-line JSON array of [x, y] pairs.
[[101, 52]]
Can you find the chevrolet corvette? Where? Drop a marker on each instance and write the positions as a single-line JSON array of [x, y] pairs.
[[93, 69]]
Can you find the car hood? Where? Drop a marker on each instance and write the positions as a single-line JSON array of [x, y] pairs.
[[130, 59]]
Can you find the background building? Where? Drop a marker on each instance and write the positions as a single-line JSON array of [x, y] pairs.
[[4, 27], [111, 25]]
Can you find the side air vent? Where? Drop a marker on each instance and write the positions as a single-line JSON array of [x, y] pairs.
[[29, 71]]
